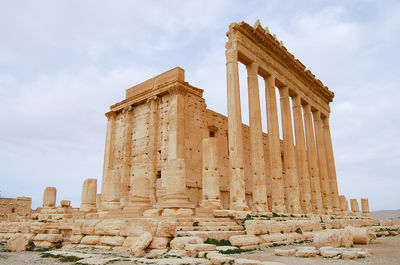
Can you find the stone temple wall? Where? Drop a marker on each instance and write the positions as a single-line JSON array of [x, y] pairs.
[[10, 207], [135, 152]]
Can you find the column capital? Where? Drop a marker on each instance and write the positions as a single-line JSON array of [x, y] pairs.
[[296, 101], [316, 115], [152, 99], [284, 91], [110, 115], [127, 109], [231, 56], [177, 90], [252, 68]]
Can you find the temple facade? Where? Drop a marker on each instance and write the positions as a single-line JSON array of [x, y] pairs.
[[165, 150]]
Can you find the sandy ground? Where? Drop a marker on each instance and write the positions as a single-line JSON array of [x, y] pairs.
[[386, 251]]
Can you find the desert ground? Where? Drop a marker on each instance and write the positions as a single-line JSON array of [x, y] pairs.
[[386, 251]]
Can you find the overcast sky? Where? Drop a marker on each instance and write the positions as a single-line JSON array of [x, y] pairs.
[[63, 63]]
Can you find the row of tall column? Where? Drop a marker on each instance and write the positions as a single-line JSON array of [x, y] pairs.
[[309, 182]]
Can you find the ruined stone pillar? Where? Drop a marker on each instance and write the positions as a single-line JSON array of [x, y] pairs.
[[278, 195], [89, 192], [293, 195], [111, 184], [210, 172], [354, 207], [365, 207], [152, 148], [302, 161], [176, 119], [175, 193], [316, 196], [344, 204], [236, 163], [126, 149], [49, 197], [334, 194], [256, 141], [322, 163]]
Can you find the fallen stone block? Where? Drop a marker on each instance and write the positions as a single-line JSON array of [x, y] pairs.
[[200, 247], [17, 243], [349, 254], [53, 238], [180, 242], [159, 242], [113, 241], [244, 240], [90, 240]]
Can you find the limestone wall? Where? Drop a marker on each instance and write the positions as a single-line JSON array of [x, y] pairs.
[[10, 207]]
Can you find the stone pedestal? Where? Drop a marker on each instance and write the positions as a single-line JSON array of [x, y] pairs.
[[259, 190], [49, 197], [302, 162], [365, 207], [355, 209], [89, 192], [316, 196], [210, 173], [236, 164], [277, 184], [293, 195]]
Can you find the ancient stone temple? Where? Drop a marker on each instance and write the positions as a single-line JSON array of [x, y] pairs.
[[165, 150], [178, 176]]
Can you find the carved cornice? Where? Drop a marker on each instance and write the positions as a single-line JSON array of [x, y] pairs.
[[275, 49]]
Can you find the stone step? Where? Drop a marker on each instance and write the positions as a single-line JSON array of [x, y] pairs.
[[210, 228], [203, 219], [206, 224], [212, 234]]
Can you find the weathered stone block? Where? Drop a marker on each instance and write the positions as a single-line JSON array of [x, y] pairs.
[[113, 241], [244, 240], [18, 243]]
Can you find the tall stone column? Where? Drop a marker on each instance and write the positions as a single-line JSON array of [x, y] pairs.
[[111, 184], [344, 204], [334, 194], [302, 161], [293, 195], [153, 142], [89, 194], [354, 207], [237, 184], [126, 149], [49, 197], [210, 182], [256, 141], [278, 195], [316, 196], [322, 163], [175, 191], [365, 207]]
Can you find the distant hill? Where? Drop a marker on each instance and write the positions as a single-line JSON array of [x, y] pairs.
[[386, 214]]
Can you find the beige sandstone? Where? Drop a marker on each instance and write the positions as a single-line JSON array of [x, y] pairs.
[[49, 197], [17, 243]]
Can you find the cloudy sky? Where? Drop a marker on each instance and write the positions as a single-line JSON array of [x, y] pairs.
[[63, 63]]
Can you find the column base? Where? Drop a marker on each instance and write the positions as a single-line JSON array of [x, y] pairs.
[[261, 207], [109, 206], [212, 204], [176, 201], [239, 206]]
